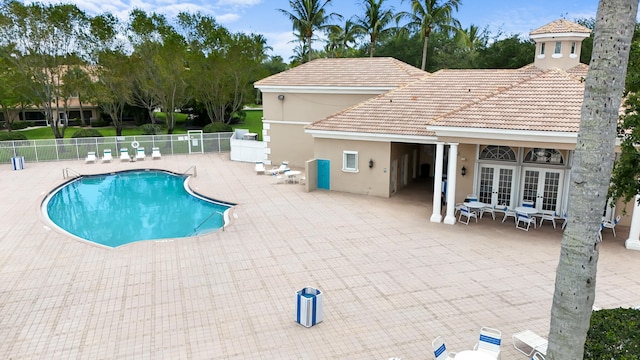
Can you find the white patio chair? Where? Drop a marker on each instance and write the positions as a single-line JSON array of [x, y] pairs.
[[91, 157], [608, 224], [537, 356], [155, 153], [527, 203], [564, 217], [440, 350], [106, 156], [525, 219], [489, 342], [507, 212], [468, 214], [489, 209], [124, 155], [140, 155], [529, 343], [548, 215]]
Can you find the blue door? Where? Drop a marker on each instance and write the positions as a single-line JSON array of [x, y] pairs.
[[323, 174]]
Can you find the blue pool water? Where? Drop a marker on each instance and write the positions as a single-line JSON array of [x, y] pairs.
[[125, 207]]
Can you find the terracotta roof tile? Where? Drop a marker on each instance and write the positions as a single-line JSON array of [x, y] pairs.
[[347, 72], [560, 26], [551, 101], [409, 109]]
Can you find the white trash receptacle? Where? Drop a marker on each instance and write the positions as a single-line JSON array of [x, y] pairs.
[[308, 306], [17, 162]]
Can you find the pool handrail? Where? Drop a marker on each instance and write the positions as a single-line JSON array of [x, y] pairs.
[[66, 171], [195, 171]]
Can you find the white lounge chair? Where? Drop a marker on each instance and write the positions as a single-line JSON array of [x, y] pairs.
[[155, 153], [260, 168], [91, 157], [279, 170], [106, 155], [140, 155], [124, 155], [489, 342], [440, 350], [528, 343]]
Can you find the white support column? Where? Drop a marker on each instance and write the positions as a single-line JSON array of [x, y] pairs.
[[633, 242], [436, 216], [452, 173]]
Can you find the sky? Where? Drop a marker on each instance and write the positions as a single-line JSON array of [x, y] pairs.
[[263, 17]]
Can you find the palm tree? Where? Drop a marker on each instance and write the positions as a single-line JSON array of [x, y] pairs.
[[375, 23], [575, 285], [307, 17], [428, 15], [340, 38]]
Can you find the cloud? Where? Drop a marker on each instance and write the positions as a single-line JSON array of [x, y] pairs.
[[238, 3], [227, 18]]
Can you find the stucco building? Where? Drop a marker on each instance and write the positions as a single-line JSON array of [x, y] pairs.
[[506, 136]]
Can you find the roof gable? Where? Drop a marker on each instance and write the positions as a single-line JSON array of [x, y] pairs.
[[561, 26], [346, 72], [409, 109]]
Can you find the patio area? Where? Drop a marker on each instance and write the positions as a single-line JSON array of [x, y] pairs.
[[392, 281]]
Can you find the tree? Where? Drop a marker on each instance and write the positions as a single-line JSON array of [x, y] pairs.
[[76, 82], [341, 39], [307, 17], [113, 86], [507, 53], [590, 175], [375, 22], [40, 40], [428, 15], [222, 66], [626, 172]]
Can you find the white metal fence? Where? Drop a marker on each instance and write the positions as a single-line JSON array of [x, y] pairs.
[[77, 148]]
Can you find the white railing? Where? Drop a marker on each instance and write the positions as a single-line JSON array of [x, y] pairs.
[[77, 148]]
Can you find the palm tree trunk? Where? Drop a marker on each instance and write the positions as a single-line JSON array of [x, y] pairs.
[[425, 46], [576, 272]]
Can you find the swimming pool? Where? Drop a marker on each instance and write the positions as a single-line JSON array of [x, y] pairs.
[[124, 207]]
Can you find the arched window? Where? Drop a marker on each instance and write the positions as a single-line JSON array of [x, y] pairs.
[[547, 156], [499, 153]]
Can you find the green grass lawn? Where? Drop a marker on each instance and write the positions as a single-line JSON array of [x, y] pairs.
[[253, 122]]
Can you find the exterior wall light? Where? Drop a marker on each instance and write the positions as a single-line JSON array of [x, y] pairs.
[[370, 163], [281, 97], [463, 171]]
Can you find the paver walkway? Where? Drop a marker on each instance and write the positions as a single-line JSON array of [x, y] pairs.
[[392, 280]]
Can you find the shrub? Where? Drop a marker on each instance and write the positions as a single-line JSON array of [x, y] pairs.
[[84, 133], [17, 125], [217, 127], [151, 129], [100, 123], [613, 334], [12, 135]]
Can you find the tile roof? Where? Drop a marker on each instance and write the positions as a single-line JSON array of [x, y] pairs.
[[560, 26], [550, 101], [347, 72], [409, 109]]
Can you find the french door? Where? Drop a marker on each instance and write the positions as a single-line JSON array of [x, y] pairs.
[[543, 187], [496, 184]]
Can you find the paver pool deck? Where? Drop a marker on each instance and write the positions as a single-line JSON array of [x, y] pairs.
[[392, 280]]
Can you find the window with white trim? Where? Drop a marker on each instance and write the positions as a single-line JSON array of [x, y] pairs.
[[350, 161], [573, 48], [558, 48], [542, 49]]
